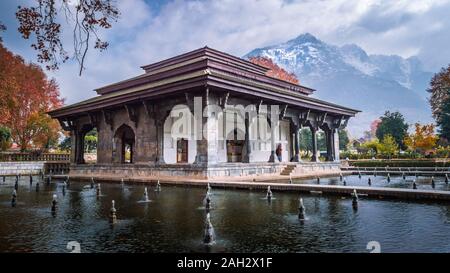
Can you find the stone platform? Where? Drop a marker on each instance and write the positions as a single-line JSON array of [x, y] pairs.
[[279, 183], [248, 171]]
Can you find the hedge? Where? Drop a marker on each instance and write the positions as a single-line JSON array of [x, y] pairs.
[[399, 163]]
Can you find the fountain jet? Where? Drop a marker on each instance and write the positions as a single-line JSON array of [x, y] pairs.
[[112, 213], [446, 179], [269, 193], [355, 199], [31, 179], [369, 182], [99, 191], [345, 182], [209, 231], [433, 185], [340, 176], [14, 198], [158, 186], [145, 198], [414, 185], [388, 177], [301, 209], [207, 202], [92, 182], [54, 204], [64, 188]]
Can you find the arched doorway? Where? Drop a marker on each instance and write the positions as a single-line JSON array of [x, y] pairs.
[[124, 140], [235, 146], [182, 150]]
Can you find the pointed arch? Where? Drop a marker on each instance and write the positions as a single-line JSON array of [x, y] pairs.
[[124, 143]]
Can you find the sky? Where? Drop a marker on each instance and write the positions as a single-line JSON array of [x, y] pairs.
[[152, 30]]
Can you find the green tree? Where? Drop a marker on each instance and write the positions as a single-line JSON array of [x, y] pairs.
[[90, 141], [321, 141], [443, 118], [5, 138], [306, 140], [393, 124], [66, 144], [343, 140], [388, 146], [372, 146]]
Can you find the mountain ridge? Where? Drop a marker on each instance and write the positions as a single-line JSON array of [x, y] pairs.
[[347, 75]]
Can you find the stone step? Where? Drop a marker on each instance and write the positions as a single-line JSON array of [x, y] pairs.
[[288, 170]]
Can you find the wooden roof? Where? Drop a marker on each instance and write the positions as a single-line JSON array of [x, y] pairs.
[[204, 66]]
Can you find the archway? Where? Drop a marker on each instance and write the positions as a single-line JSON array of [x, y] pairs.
[[80, 146], [182, 150], [124, 140], [90, 146], [235, 146]]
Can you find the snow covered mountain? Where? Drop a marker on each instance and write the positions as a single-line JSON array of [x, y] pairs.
[[347, 75]]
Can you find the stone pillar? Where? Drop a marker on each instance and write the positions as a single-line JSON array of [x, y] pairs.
[[160, 140], [329, 136], [296, 157], [273, 129], [73, 147], [314, 157], [336, 145], [248, 148], [207, 145]]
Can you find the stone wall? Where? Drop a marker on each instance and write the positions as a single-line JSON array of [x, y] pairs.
[[316, 167], [13, 168], [202, 171]]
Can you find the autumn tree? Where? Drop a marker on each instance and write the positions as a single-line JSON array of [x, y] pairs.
[[275, 71], [440, 101], [439, 90], [42, 20], [26, 94], [422, 139]]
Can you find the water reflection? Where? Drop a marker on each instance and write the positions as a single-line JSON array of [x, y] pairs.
[[242, 220]]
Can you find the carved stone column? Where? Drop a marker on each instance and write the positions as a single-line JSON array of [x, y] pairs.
[[273, 129], [248, 148], [336, 145], [296, 157], [314, 157], [79, 147], [207, 145], [159, 124], [329, 136]]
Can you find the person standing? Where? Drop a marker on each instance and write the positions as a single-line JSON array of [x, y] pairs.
[[279, 152]]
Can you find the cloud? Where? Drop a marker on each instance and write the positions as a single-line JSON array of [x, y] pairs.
[[147, 33]]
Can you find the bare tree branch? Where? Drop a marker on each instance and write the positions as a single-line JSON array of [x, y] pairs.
[[87, 18]]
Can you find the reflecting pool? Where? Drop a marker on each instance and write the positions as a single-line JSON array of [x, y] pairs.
[[173, 220]]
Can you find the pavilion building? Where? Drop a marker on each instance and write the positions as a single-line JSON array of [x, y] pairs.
[[139, 131]]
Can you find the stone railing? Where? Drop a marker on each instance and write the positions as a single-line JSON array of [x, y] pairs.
[[14, 157]]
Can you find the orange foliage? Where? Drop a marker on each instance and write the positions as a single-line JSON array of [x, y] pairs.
[[26, 94], [423, 138], [275, 71]]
